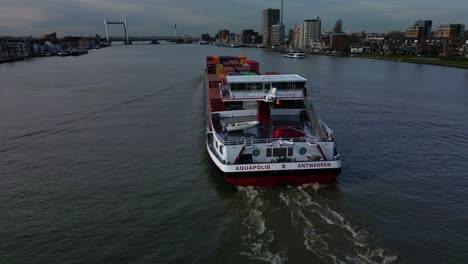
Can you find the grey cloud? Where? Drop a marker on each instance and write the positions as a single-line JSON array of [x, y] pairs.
[[156, 17]]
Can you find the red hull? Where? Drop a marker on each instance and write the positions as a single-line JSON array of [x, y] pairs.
[[279, 180]]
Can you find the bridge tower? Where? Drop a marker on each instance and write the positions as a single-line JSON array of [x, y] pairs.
[[125, 26]]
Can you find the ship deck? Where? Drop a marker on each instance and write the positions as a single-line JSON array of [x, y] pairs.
[[263, 131]]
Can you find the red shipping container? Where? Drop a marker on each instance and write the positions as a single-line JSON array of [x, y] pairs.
[[210, 68], [242, 68], [272, 73], [255, 66], [209, 58], [229, 69], [213, 80], [214, 93]]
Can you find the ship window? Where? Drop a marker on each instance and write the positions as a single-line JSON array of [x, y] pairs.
[[281, 85], [298, 85], [290, 152], [303, 151], [221, 147], [279, 152], [267, 86], [255, 86], [268, 153], [216, 143], [238, 86]]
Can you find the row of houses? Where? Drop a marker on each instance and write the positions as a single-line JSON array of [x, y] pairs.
[[43, 46]]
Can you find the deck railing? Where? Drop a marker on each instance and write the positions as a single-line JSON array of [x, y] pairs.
[[250, 141]]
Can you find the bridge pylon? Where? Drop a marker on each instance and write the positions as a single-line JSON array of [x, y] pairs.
[[125, 26]]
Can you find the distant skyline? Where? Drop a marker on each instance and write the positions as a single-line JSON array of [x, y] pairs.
[[157, 17]]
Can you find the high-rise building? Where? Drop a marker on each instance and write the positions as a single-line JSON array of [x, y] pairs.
[[223, 36], [338, 26], [310, 32], [277, 35], [297, 36], [248, 36], [426, 26], [270, 17], [421, 29], [291, 36], [450, 31]]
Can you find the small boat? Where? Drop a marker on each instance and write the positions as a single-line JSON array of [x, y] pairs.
[[241, 126], [295, 55], [78, 51]]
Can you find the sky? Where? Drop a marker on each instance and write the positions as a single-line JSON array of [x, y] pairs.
[[193, 17]]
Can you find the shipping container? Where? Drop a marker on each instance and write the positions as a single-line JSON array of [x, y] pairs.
[[214, 93], [242, 68], [235, 73], [209, 58], [228, 69], [210, 67], [254, 65], [272, 73], [242, 59], [213, 80], [219, 69], [216, 59]]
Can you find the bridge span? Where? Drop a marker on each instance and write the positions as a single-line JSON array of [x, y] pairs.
[[185, 39]]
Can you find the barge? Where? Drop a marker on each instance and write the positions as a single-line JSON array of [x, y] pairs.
[[279, 139]]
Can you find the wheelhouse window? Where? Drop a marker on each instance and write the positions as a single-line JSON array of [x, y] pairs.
[[280, 85], [255, 86], [238, 86], [298, 85]]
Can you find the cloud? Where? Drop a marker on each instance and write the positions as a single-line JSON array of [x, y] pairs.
[[157, 17]]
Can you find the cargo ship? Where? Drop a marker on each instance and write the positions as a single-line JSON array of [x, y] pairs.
[[263, 129]]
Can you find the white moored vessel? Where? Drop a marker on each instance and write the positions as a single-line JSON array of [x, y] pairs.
[[295, 55]]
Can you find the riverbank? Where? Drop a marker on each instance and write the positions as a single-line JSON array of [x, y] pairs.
[[11, 59], [449, 62]]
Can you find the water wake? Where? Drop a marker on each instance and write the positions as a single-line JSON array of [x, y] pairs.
[[258, 242], [326, 234]]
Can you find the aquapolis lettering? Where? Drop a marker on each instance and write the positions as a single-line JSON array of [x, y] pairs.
[[252, 167]]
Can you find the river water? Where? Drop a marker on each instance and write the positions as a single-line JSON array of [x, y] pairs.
[[102, 160]]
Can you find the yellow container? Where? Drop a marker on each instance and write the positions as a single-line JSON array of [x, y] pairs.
[[219, 69]]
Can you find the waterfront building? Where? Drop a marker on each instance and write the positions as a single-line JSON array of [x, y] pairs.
[[379, 37], [338, 26], [426, 25], [310, 32], [16, 47], [277, 35], [450, 31], [223, 36], [270, 17], [297, 36], [422, 29], [415, 32], [290, 36], [339, 42], [249, 36]]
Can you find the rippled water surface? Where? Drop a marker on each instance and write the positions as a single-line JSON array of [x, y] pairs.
[[102, 160]]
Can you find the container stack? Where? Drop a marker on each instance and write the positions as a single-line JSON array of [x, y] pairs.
[[254, 65], [214, 93]]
